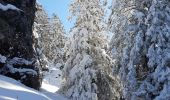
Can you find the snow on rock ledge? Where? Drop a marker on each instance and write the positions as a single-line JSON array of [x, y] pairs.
[[21, 61], [8, 6], [2, 59]]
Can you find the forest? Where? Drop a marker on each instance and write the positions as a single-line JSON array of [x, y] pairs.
[[121, 55]]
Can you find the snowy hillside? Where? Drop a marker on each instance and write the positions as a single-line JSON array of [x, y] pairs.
[[13, 90]]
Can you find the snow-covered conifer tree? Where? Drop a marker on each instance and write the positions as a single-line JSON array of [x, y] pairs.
[[49, 34], [88, 69], [143, 71], [41, 31], [127, 24], [49, 37], [58, 40], [156, 84]]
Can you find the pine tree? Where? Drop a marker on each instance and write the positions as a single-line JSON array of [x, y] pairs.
[[156, 84], [87, 72], [140, 69], [127, 24], [41, 31], [117, 24], [49, 34], [57, 40]]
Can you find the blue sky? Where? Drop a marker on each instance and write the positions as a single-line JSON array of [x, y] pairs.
[[59, 7]]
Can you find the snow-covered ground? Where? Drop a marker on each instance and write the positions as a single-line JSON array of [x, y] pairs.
[[11, 89], [54, 76], [50, 91], [52, 82]]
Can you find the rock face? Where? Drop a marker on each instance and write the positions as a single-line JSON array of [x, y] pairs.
[[16, 41], [16, 29]]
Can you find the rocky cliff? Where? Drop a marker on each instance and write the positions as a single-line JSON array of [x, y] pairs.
[[16, 42]]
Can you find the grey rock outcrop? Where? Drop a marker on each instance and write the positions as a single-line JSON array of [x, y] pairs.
[[16, 41]]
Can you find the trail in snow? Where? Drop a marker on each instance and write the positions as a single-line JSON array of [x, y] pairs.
[[50, 91], [52, 82]]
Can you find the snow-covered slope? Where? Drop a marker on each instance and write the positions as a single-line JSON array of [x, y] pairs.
[[11, 89]]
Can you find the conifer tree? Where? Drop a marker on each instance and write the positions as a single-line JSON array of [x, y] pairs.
[[88, 69], [140, 47], [49, 34], [57, 40], [156, 84], [41, 31]]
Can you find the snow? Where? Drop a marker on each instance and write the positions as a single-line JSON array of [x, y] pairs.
[[35, 33], [20, 61], [14, 90], [53, 77], [8, 6], [52, 82], [2, 59], [23, 70], [51, 90], [20, 70], [11, 89]]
